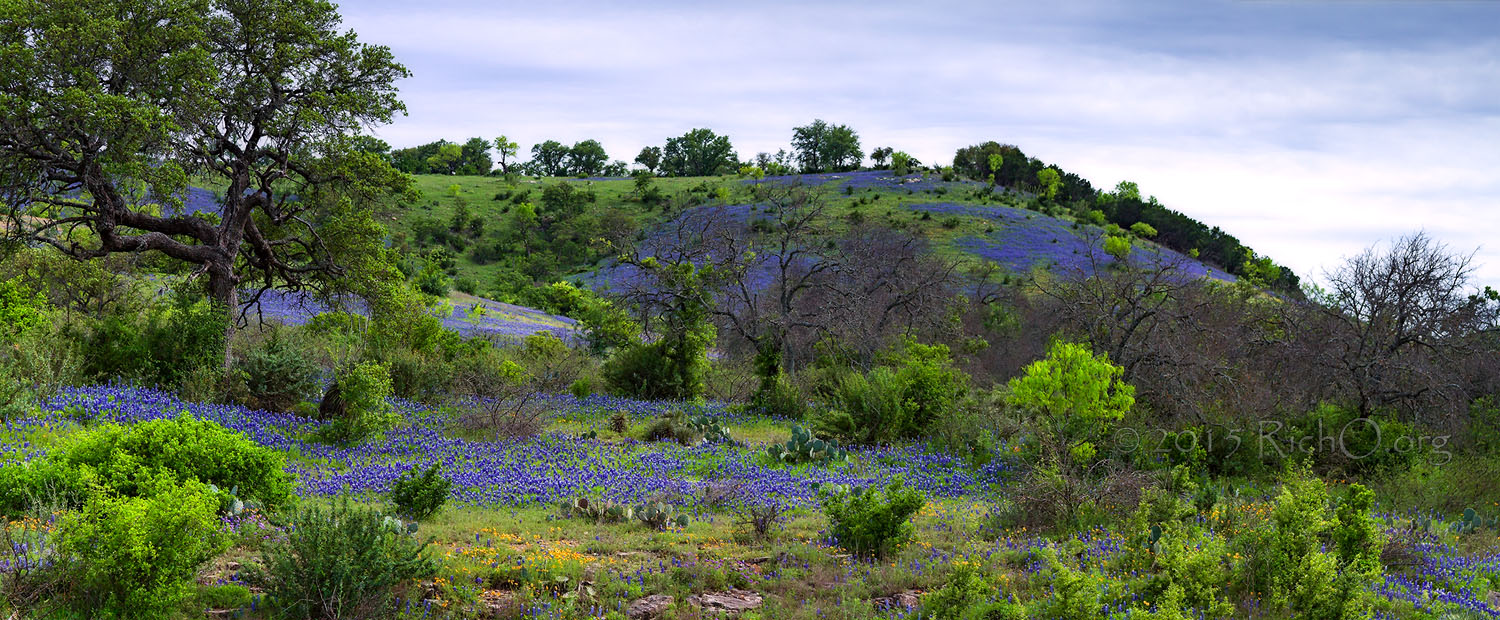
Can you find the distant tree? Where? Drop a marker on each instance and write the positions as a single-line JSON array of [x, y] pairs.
[[1127, 190], [586, 159], [616, 168], [475, 160], [505, 149], [371, 145], [1050, 180], [996, 161], [1396, 324], [820, 147], [446, 160], [548, 158], [879, 155], [699, 153], [650, 157], [901, 163]]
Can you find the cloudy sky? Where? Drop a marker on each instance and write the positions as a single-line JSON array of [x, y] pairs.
[[1309, 129]]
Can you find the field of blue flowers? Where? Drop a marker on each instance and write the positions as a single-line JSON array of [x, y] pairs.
[[503, 541]]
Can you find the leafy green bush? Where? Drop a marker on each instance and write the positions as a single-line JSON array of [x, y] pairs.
[[343, 562], [1074, 397], [135, 557], [1075, 593], [898, 400], [1342, 438], [363, 392], [965, 595], [1287, 561], [419, 495], [777, 397], [276, 375], [872, 522], [658, 370], [141, 459], [163, 345]]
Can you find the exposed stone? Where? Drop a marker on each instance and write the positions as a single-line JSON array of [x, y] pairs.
[[649, 607], [732, 602]]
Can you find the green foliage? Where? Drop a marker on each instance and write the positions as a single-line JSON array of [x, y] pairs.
[[1287, 562], [872, 522], [698, 153], [1339, 437], [1075, 397], [803, 447], [821, 147], [1118, 247], [420, 494], [142, 459], [135, 557], [343, 562], [898, 400], [276, 374], [21, 309], [778, 397], [965, 595], [1075, 593], [365, 390], [163, 345], [1143, 230], [606, 326]]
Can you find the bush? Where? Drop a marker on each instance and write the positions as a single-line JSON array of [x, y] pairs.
[[363, 392], [420, 495], [899, 400], [778, 398], [163, 346], [1075, 593], [871, 522], [276, 375], [343, 562], [1288, 562], [135, 557], [963, 595], [657, 371], [1341, 438], [141, 459]]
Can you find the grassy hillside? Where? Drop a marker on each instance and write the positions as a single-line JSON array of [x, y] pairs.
[[966, 220]]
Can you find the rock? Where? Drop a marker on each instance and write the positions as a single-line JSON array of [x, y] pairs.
[[649, 607], [732, 602]]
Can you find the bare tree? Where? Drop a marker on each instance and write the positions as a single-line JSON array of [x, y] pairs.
[[1398, 324]]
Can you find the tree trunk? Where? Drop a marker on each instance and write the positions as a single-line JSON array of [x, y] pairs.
[[224, 293]]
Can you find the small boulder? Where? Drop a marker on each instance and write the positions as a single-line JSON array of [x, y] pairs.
[[732, 602], [649, 607]]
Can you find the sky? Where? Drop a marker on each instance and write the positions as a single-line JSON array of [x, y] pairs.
[[1308, 129]]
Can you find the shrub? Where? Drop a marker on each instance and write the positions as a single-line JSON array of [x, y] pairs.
[[343, 562], [1075, 593], [363, 391], [778, 398], [1340, 437], [872, 522], [276, 375], [660, 370], [135, 557], [162, 346], [1075, 396], [420, 495], [962, 594], [141, 459], [1287, 560], [899, 400]]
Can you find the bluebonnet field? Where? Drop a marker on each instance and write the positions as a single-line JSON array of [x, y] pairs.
[[468, 315], [561, 465]]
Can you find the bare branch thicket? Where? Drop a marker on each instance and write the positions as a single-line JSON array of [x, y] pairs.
[[1397, 328]]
